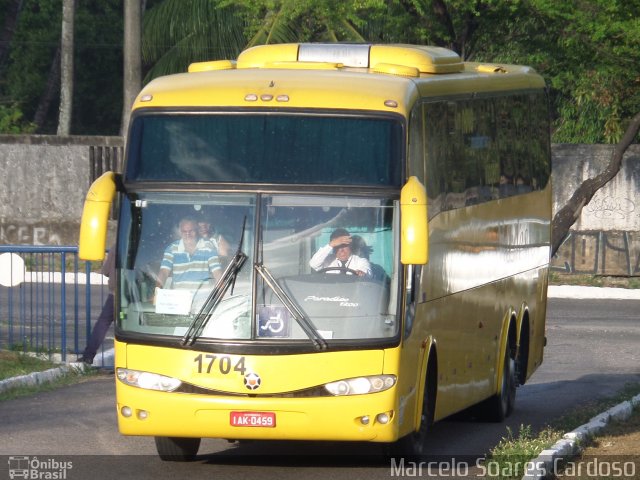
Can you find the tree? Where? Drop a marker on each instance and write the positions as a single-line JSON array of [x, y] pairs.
[[305, 21], [590, 58], [34, 43], [132, 59], [98, 90], [66, 66], [49, 94], [591, 62], [8, 29], [179, 32], [597, 70], [569, 213]]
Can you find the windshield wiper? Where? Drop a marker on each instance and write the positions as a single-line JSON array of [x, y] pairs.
[[308, 327], [228, 279]]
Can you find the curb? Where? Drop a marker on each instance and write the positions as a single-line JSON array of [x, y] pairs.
[[580, 292], [37, 378], [570, 444], [104, 359]]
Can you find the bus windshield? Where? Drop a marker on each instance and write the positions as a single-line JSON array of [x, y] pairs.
[[265, 148], [304, 268]]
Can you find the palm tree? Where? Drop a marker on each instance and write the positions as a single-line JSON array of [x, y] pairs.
[[179, 32], [295, 21], [132, 80], [66, 67]]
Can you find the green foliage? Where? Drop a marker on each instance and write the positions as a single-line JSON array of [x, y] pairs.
[[598, 77], [588, 50], [98, 64], [11, 121], [14, 363], [33, 47], [179, 32], [282, 21], [509, 458], [97, 98]]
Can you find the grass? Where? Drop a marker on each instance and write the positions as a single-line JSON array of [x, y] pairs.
[[558, 278], [69, 378], [618, 438], [508, 459], [587, 412], [613, 453], [14, 363]]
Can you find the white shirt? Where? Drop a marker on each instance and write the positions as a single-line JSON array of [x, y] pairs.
[[325, 258]]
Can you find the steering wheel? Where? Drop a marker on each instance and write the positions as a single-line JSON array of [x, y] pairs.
[[340, 269]]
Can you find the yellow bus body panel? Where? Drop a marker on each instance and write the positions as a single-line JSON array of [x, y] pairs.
[[208, 414], [337, 88], [503, 258]]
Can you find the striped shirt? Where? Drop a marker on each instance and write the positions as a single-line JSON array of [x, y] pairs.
[[190, 271]]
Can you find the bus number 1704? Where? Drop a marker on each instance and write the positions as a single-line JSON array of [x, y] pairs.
[[204, 364]]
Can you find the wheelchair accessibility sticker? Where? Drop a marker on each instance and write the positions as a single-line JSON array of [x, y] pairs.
[[274, 321]]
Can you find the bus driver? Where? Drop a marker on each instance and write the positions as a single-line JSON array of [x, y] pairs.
[[337, 256]]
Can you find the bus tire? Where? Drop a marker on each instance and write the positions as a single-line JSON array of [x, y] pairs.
[[501, 405], [177, 449]]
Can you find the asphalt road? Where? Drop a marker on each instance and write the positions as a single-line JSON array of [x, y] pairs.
[[592, 352]]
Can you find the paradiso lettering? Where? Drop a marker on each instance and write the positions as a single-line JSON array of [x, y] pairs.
[[342, 301]]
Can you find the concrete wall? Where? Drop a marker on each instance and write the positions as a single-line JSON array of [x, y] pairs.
[[45, 180], [606, 238]]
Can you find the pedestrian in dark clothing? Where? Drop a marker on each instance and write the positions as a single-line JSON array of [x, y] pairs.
[[106, 315]]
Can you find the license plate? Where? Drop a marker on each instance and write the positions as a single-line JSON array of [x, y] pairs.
[[253, 419]]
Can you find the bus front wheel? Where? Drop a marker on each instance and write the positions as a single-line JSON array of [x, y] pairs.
[[413, 445], [177, 449]]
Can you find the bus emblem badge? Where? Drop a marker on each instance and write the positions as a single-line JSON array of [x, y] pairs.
[[252, 381]]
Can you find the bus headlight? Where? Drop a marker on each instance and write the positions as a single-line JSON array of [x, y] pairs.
[[361, 385], [148, 381]]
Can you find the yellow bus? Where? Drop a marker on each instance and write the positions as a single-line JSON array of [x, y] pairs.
[[338, 242]]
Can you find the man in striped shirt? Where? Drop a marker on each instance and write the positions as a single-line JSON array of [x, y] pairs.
[[190, 261]]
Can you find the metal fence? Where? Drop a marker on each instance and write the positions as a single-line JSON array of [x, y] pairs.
[[48, 299]]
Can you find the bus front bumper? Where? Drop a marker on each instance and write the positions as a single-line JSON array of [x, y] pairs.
[[370, 417]]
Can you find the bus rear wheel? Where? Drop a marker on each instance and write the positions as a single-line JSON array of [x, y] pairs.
[[177, 449], [502, 404]]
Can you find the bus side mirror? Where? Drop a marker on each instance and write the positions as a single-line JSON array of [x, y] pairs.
[[95, 217], [414, 230]]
